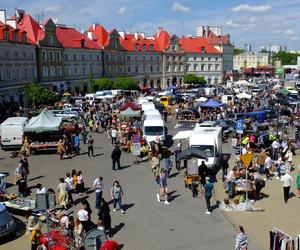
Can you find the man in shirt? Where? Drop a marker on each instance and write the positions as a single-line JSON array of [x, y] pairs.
[[286, 183], [114, 135], [69, 180], [115, 156], [275, 148], [268, 165], [40, 189], [83, 217], [98, 186], [208, 191], [90, 143]]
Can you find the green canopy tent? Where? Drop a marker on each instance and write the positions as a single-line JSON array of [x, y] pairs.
[[130, 113]]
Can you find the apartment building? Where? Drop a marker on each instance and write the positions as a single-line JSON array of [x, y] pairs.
[[250, 60]]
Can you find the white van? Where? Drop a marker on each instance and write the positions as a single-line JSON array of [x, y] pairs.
[[208, 140], [147, 106], [153, 129], [12, 131], [227, 99], [90, 98]]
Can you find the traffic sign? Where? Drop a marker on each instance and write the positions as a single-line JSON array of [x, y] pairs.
[[239, 126], [246, 159]]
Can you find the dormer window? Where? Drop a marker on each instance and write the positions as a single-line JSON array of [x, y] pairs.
[[144, 47], [151, 47], [203, 50], [82, 43], [136, 47], [174, 47], [15, 36], [6, 35], [23, 37], [51, 39]]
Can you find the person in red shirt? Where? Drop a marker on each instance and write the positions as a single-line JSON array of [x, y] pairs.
[[110, 245]]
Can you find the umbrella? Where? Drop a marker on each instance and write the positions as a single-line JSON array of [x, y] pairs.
[[66, 94], [211, 104], [191, 153], [201, 99], [243, 96], [172, 87]]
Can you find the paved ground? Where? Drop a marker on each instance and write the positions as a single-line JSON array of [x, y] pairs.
[[147, 224]]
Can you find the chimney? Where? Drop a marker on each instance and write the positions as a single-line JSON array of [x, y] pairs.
[[12, 23], [207, 30], [136, 35], [122, 34], [199, 31], [95, 25], [3, 16]]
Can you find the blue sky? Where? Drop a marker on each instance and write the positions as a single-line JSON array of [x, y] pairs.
[[259, 23]]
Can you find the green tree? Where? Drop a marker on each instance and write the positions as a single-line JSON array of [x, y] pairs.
[[126, 83], [191, 79], [237, 51], [201, 80], [101, 84], [37, 94], [285, 57]]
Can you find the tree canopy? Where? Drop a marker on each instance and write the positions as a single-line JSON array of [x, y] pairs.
[[101, 84], [285, 58], [126, 83], [237, 51], [192, 79], [38, 94]]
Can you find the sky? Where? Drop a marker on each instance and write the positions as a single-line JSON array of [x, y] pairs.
[[256, 22]]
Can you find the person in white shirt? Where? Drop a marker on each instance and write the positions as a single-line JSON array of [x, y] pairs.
[[40, 189], [286, 183], [83, 217], [268, 165], [114, 135], [275, 148], [98, 186], [244, 150], [70, 182]]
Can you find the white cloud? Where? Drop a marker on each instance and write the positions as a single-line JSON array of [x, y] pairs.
[[294, 38], [177, 7], [290, 32], [122, 11], [251, 8], [242, 24], [53, 8]]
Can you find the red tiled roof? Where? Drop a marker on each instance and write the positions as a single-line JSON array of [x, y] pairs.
[[100, 35], [11, 31], [129, 43], [195, 45], [163, 39], [214, 39], [34, 32], [71, 38]]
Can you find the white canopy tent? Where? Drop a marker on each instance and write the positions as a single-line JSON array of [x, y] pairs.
[[201, 99], [45, 121], [243, 95], [244, 83]]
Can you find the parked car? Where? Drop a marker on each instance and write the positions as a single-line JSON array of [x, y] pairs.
[[78, 111], [177, 98], [7, 223], [65, 113]]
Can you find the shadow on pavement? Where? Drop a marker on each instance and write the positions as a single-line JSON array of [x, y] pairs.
[[35, 178], [19, 232], [117, 228], [126, 166], [128, 206], [174, 175]]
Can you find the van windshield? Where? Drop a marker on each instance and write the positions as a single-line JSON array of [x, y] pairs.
[[154, 130], [207, 149]]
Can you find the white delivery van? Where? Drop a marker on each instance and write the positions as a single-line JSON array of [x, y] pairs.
[[12, 131], [147, 106], [90, 98], [117, 92], [151, 117], [227, 99], [208, 140], [153, 129]]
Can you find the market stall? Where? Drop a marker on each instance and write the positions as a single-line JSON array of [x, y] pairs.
[[43, 131]]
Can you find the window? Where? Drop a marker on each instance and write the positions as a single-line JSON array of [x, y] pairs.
[[52, 71], [115, 44], [33, 72], [202, 67], [168, 68], [202, 59], [144, 47], [180, 58], [121, 69], [174, 47], [15, 36], [44, 55], [16, 54], [144, 58], [136, 58], [209, 59], [128, 58], [83, 71], [151, 68], [128, 69], [75, 57], [216, 80], [195, 58], [209, 68], [67, 71], [136, 69], [217, 67], [23, 37], [45, 71], [151, 58], [136, 47], [187, 67], [157, 58], [66, 57], [203, 50], [91, 57], [9, 74], [167, 58], [25, 73], [75, 71], [59, 71], [58, 56], [6, 35], [151, 47], [51, 56], [180, 68], [144, 69], [24, 54], [157, 68], [216, 59], [50, 39], [17, 73], [98, 58], [175, 68], [195, 67], [174, 58], [121, 57], [82, 57], [91, 70], [82, 43]]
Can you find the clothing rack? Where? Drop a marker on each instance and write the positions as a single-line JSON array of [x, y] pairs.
[[277, 230]]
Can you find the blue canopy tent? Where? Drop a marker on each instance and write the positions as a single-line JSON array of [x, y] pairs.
[[172, 87], [211, 104]]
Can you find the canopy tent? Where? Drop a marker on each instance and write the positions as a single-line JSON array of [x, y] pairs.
[[130, 113], [211, 104], [191, 153], [172, 87], [243, 96], [67, 94], [129, 105], [244, 83], [45, 121], [201, 99]]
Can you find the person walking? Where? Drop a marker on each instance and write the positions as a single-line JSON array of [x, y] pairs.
[[286, 180], [168, 163], [77, 144], [202, 172], [98, 186], [241, 239], [115, 156], [114, 135], [61, 149], [90, 143], [208, 191], [25, 164], [83, 217], [62, 190], [116, 195], [178, 149], [163, 187], [268, 165], [104, 216], [69, 180], [80, 183], [155, 167], [22, 186]]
